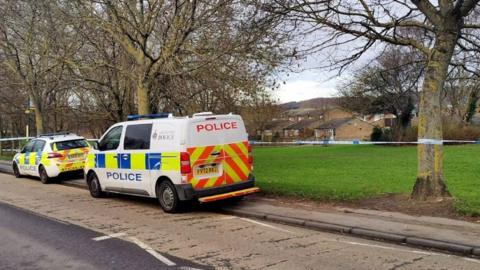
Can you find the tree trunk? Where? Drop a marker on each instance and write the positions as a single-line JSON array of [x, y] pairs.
[[39, 121], [430, 182], [143, 101]]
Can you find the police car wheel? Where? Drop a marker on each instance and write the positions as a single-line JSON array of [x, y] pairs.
[[16, 171], [94, 186], [168, 198], [43, 175]]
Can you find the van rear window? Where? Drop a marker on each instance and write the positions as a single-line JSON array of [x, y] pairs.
[[67, 145]]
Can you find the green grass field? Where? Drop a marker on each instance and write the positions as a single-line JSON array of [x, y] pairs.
[[350, 172], [6, 157]]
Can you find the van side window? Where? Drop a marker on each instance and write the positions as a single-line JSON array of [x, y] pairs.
[[137, 137], [111, 140]]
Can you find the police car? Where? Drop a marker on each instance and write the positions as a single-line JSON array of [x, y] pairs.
[[205, 157], [49, 155]]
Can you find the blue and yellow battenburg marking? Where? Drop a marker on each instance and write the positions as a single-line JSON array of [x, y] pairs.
[[33, 158], [166, 161]]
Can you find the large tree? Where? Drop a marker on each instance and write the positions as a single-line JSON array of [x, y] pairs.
[[34, 43], [437, 29], [185, 43]]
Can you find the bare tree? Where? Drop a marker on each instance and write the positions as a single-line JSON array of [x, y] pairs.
[[259, 111], [460, 96], [390, 84], [31, 42], [438, 30], [184, 50]]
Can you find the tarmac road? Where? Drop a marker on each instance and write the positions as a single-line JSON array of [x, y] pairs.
[[199, 236], [6, 167], [30, 241]]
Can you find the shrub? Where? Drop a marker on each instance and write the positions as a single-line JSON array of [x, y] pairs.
[[459, 131], [451, 131], [377, 134], [383, 135]]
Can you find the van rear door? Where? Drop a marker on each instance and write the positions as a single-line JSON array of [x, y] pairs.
[[218, 149]]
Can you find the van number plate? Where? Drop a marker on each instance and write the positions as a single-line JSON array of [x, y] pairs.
[[207, 170]]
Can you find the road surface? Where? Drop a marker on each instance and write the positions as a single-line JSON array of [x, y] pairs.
[[30, 241], [206, 238]]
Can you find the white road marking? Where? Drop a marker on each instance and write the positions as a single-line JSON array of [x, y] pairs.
[[226, 218], [105, 237], [396, 249], [189, 268], [266, 225], [152, 252], [472, 260]]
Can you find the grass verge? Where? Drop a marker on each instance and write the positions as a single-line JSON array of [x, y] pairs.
[[6, 157], [352, 172]]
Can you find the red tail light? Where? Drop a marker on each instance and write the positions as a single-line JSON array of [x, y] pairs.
[[250, 156], [54, 155], [185, 167]]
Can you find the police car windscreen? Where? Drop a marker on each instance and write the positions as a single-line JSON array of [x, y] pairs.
[[72, 144]]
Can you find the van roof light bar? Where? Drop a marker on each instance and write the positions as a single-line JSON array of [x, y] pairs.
[[148, 116], [202, 114]]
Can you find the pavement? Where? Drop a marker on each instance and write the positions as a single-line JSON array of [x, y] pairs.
[[441, 234], [206, 237], [437, 233], [61, 245]]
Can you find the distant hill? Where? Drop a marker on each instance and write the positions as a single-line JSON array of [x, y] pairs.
[[317, 103]]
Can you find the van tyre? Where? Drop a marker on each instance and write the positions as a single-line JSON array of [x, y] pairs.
[[94, 186], [168, 197], [16, 171], [43, 175]]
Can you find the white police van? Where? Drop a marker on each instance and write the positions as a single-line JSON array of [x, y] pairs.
[[50, 155], [205, 157]]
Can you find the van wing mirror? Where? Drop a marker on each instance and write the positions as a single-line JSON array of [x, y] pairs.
[[93, 144]]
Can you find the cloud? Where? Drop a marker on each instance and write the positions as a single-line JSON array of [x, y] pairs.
[[303, 89]]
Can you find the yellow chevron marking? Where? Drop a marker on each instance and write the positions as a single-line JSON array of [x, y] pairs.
[[237, 160]]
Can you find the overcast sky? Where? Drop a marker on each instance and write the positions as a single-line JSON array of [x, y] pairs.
[[311, 82], [307, 85]]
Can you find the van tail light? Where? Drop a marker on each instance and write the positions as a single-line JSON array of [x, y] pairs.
[[250, 156], [54, 155], [185, 167]]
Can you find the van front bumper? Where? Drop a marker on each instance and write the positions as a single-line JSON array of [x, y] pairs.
[[186, 192]]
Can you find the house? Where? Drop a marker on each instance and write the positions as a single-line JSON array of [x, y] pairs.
[[301, 114], [337, 113], [381, 120], [301, 129], [333, 123], [344, 129], [274, 129]]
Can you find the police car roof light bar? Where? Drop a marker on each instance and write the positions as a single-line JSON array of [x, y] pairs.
[[55, 134], [148, 116]]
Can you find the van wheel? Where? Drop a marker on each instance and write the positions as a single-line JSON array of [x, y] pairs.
[[43, 175], [168, 197], [16, 171], [94, 186]]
